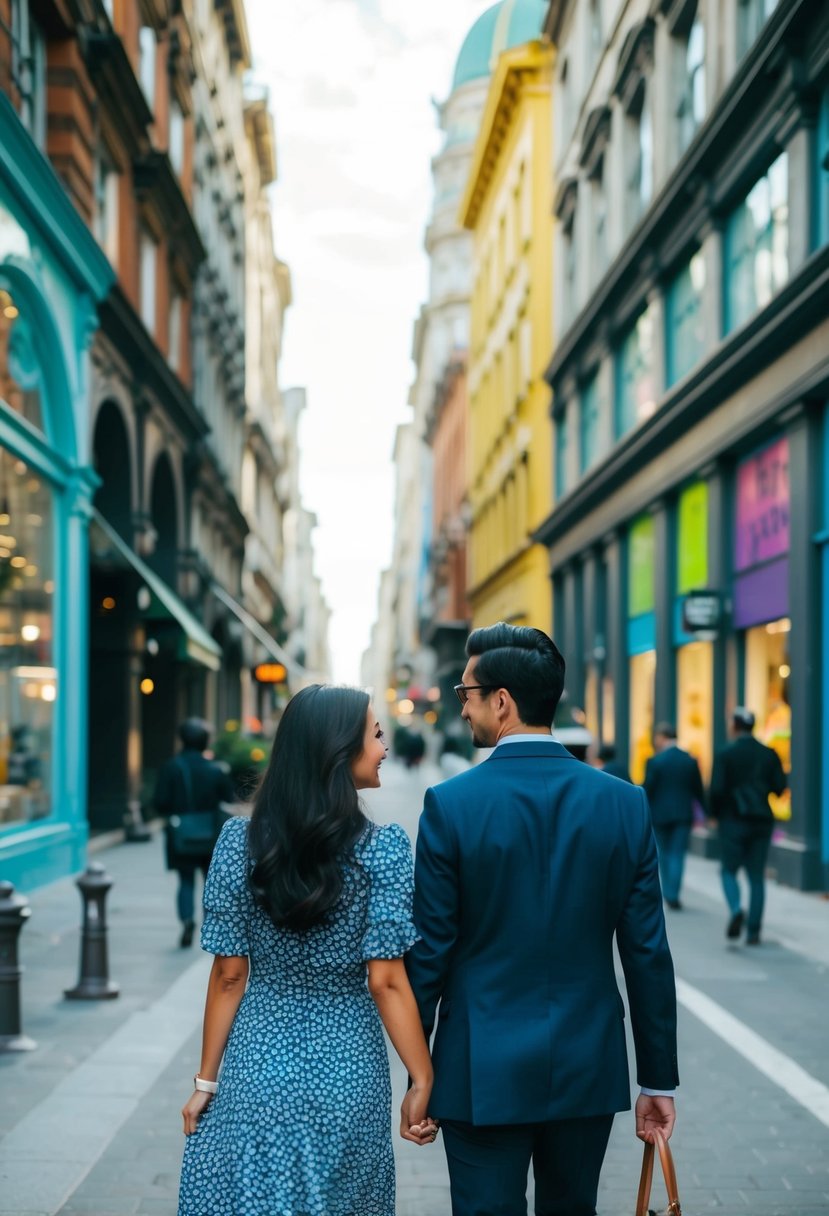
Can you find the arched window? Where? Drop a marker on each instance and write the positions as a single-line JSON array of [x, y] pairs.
[[20, 369]]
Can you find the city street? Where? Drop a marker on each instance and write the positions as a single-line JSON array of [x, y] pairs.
[[89, 1121]]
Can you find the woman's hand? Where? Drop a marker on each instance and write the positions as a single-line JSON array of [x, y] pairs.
[[193, 1109], [415, 1124]]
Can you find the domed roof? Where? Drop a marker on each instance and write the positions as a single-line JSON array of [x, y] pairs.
[[508, 23]]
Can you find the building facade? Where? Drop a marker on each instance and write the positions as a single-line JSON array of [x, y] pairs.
[[426, 647], [687, 543], [125, 155], [507, 206], [52, 278]]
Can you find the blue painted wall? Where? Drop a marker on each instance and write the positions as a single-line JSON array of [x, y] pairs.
[[55, 270]]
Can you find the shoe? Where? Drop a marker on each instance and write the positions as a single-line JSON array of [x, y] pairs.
[[187, 933], [753, 939], [675, 904], [735, 925]]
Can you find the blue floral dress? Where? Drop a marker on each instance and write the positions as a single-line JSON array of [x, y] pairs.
[[301, 1125]]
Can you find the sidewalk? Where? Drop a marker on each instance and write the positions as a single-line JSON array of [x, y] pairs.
[[89, 1121]]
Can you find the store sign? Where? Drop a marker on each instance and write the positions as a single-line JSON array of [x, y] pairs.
[[270, 673], [701, 612], [763, 506]]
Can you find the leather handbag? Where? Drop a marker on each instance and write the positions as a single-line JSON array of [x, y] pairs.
[[646, 1179], [194, 833]]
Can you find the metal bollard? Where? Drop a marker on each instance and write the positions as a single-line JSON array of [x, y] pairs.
[[93, 983], [14, 912]]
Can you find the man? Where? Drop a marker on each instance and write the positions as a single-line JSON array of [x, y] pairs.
[[745, 773], [526, 867], [188, 783], [608, 763], [673, 784]]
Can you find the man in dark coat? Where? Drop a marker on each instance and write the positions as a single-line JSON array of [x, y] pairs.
[[188, 783], [527, 866], [673, 784], [745, 773], [608, 762]]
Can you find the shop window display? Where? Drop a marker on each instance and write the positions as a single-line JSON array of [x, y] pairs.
[[695, 697], [28, 679], [642, 678], [767, 694]]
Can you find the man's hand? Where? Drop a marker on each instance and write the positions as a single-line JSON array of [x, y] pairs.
[[654, 1114], [415, 1124]]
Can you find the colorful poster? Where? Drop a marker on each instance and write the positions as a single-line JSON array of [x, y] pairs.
[[640, 566], [692, 541], [762, 524]]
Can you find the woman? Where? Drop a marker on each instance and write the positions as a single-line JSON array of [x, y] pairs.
[[303, 900]]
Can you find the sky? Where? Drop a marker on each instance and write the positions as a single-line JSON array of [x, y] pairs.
[[351, 86]]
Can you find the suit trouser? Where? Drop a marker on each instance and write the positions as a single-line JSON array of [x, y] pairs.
[[671, 846], [488, 1166], [745, 843]]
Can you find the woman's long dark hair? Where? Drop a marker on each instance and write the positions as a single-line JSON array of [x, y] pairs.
[[307, 815]]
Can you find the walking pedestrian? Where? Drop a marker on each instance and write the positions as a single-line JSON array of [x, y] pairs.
[[607, 761], [745, 773], [190, 793], [673, 784], [526, 867], [304, 903]]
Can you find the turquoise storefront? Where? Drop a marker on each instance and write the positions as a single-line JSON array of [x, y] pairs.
[[52, 277]]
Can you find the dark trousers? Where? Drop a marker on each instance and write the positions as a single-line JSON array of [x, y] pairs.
[[744, 843], [186, 898], [671, 847], [488, 1166]]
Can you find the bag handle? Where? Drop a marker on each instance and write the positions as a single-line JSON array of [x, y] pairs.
[[646, 1177]]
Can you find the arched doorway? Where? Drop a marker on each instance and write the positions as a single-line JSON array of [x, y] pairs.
[[164, 686], [115, 638]]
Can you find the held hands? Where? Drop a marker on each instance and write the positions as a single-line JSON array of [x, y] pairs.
[[415, 1124], [193, 1109], [654, 1114]]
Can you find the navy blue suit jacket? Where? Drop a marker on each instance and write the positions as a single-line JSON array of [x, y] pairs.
[[526, 867], [673, 784]]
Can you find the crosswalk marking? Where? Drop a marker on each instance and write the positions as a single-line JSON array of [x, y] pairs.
[[810, 1093]]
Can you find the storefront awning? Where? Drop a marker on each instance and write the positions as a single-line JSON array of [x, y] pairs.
[[258, 631], [199, 647]]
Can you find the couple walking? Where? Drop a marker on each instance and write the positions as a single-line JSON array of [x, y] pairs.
[[527, 867]]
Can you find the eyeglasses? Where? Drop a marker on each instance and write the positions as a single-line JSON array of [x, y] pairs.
[[463, 690]]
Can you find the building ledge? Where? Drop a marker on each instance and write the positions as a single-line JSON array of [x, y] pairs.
[[738, 358], [121, 96], [158, 188]]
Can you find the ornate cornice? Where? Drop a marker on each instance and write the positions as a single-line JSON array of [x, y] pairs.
[[594, 139], [121, 96], [635, 63], [158, 189]]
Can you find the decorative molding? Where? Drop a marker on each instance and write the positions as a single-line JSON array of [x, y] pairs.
[[29, 177], [635, 64], [595, 139], [564, 206]]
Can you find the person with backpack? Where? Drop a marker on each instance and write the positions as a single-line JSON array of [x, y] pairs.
[[745, 773]]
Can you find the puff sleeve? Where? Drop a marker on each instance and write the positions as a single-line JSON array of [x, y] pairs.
[[227, 898], [390, 930]]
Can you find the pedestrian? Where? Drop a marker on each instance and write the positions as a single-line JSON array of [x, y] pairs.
[[308, 915], [607, 762], [673, 784], [745, 773], [190, 793], [526, 867]]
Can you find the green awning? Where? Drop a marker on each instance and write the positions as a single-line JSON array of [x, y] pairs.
[[199, 646]]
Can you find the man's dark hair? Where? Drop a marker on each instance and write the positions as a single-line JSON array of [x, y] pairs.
[[607, 752], [666, 729], [523, 660], [194, 733]]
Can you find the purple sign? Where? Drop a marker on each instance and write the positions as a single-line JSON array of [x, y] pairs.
[[763, 506]]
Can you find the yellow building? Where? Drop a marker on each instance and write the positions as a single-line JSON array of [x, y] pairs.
[[508, 207]]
